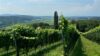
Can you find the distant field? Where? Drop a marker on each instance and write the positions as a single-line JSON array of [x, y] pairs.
[[49, 21]]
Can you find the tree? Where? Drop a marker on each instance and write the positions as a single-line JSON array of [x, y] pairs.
[[55, 20]]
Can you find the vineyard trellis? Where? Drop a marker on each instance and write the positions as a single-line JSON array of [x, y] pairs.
[[69, 35], [26, 37]]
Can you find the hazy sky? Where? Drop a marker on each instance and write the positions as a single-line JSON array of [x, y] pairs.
[[47, 7]]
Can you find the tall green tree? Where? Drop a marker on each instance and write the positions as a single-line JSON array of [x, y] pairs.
[[55, 20]]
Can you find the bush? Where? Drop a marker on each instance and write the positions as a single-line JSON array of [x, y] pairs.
[[48, 35], [26, 37], [41, 24], [23, 30], [86, 25], [93, 34], [5, 40], [69, 35]]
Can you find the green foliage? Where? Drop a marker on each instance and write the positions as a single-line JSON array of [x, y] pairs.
[[5, 41], [85, 47], [23, 30], [86, 25], [68, 30], [69, 35], [63, 23], [48, 35], [26, 37], [4, 38], [41, 24], [93, 34]]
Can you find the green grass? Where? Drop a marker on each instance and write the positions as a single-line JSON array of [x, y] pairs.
[[47, 49], [85, 47], [91, 48], [54, 49], [56, 52]]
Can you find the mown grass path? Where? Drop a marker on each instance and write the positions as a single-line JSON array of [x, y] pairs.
[[86, 47], [91, 48]]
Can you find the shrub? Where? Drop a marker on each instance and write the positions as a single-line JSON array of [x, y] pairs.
[[93, 34]]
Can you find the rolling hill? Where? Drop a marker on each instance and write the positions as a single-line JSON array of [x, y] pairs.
[[6, 20]]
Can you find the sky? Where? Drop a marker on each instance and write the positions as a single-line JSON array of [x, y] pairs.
[[47, 7]]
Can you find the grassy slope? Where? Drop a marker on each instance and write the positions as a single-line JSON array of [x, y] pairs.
[[85, 47], [91, 48]]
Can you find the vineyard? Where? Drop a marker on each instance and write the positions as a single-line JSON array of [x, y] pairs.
[[63, 40]]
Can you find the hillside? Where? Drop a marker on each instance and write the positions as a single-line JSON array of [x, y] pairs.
[[85, 47], [87, 44], [24, 39], [83, 17], [6, 20]]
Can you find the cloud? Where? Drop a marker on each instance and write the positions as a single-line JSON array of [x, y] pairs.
[[96, 5], [83, 10], [9, 8], [39, 0], [47, 7]]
